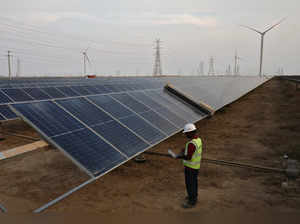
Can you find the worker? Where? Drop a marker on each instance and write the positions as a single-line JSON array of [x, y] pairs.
[[191, 156]]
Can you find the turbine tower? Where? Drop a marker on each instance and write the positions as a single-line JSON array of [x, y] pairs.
[[157, 64], [85, 59], [18, 73], [262, 41]]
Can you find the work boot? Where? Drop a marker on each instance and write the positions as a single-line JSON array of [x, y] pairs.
[[188, 204]]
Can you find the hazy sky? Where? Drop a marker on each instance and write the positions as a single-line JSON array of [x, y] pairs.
[[48, 36]]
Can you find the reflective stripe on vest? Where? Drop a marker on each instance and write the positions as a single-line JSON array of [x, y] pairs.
[[196, 158]]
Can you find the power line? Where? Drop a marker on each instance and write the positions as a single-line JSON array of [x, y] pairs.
[[69, 37]]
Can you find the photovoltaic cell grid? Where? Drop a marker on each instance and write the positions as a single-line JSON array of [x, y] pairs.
[[101, 132], [44, 91]]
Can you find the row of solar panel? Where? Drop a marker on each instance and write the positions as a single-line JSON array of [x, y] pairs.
[[31, 94], [59, 82], [35, 94], [100, 132]]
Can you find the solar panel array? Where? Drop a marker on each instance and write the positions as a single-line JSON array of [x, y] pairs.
[[25, 90], [100, 132], [216, 91], [103, 123]]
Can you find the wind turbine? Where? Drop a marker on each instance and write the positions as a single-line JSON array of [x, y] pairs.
[[262, 41], [85, 59]]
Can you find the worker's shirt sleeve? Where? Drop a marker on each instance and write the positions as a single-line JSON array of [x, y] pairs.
[[190, 152]]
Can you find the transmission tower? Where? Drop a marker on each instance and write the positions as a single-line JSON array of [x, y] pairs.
[[211, 70], [157, 64], [201, 68]]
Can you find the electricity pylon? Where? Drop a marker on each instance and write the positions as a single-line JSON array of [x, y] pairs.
[[157, 70]]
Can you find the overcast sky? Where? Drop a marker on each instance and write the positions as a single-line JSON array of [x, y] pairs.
[[48, 36]]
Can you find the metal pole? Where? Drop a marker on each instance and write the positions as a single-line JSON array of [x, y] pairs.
[[84, 64], [63, 196], [261, 54], [9, 65]]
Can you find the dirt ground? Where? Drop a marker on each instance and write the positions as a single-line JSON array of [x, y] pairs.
[[257, 129]]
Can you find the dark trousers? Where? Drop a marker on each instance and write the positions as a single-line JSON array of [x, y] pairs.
[[191, 183]]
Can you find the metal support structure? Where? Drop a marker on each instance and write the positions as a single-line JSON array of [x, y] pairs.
[[157, 70], [261, 54], [63, 196], [18, 72]]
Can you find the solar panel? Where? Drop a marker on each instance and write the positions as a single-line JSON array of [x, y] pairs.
[[7, 113], [68, 91], [85, 111], [111, 88], [182, 104], [48, 117], [142, 97], [145, 112], [143, 128], [92, 152], [166, 113], [157, 120], [37, 94], [93, 90], [4, 98], [110, 105], [101, 89], [82, 90], [130, 102], [18, 95], [122, 138], [181, 111], [53, 92]]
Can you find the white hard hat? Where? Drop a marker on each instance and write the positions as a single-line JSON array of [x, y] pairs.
[[189, 127]]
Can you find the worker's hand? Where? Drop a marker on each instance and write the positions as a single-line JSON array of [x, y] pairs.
[[171, 153]]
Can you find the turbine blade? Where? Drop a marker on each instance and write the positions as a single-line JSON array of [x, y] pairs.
[[88, 60], [250, 28], [272, 27]]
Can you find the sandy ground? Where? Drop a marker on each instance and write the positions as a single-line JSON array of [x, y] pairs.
[[257, 129]]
